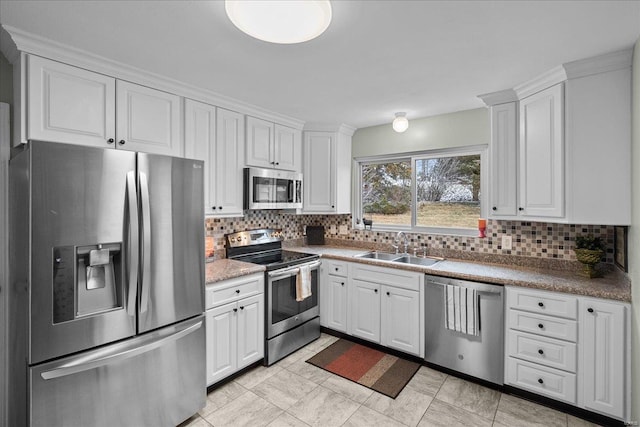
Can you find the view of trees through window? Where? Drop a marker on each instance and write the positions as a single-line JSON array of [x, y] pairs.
[[447, 191]]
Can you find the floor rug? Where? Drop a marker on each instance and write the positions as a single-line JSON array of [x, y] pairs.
[[375, 369]]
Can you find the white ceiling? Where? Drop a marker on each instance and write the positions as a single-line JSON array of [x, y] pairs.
[[376, 58]]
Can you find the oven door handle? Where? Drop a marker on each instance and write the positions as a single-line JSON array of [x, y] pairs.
[[291, 271]]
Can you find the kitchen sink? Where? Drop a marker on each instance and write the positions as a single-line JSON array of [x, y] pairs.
[[408, 259], [384, 256], [400, 258]]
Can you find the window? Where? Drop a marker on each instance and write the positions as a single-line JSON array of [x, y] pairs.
[[437, 191]]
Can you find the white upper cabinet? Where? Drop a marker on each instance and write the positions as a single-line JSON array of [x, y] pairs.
[[541, 166], [573, 138], [70, 105], [216, 137], [148, 120], [272, 145], [327, 172], [504, 158]]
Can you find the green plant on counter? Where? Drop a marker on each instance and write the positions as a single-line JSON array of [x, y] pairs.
[[589, 251]]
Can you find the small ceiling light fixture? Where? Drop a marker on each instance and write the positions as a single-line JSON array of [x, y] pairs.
[[400, 123], [280, 21]]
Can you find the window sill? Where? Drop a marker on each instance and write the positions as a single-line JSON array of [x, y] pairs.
[[433, 231]]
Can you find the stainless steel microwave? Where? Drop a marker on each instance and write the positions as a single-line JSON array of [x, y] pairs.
[[272, 189]]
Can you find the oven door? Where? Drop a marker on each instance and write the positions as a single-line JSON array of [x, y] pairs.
[[283, 311]]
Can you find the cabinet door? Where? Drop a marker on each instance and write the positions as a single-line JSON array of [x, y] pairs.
[[504, 144], [250, 330], [69, 104], [148, 120], [199, 143], [319, 172], [229, 155], [400, 319], [364, 321], [603, 356], [541, 165], [336, 310], [259, 143], [288, 148], [221, 342]]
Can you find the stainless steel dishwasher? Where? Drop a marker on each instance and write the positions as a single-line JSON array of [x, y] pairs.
[[479, 354]]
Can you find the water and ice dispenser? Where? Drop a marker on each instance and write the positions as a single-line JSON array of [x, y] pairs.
[[87, 280]]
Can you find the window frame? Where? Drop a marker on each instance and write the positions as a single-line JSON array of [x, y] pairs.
[[481, 150]]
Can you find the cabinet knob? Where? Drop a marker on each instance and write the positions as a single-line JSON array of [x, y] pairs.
[[237, 291], [590, 310], [121, 142], [541, 304], [220, 207], [242, 307], [337, 268], [375, 290], [388, 293], [540, 351], [273, 163], [235, 310], [520, 209], [494, 208], [540, 380], [342, 283], [277, 163], [333, 206], [110, 141], [540, 325]]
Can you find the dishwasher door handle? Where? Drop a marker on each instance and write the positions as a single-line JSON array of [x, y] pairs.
[[487, 289]]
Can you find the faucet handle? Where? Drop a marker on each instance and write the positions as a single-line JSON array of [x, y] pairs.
[[415, 251], [395, 247]]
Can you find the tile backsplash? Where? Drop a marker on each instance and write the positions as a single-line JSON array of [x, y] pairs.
[[529, 239]]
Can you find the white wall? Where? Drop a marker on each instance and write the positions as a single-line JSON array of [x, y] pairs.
[[634, 235], [462, 128]]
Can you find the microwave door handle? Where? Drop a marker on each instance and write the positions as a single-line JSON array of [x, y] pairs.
[[290, 186], [133, 249], [146, 243]]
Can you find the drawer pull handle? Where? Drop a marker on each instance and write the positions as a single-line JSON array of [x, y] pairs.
[[540, 304], [237, 291], [590, 310], [540, 351], [540, 381], [337, 268], [540, 325]]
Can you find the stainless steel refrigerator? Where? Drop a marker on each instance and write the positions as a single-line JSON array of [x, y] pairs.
[[106, 288]]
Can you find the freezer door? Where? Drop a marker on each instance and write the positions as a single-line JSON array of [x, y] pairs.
[[81, 256], [171, 284], [157, 379]]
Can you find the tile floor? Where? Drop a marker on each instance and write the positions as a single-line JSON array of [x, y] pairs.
[[295, 393]]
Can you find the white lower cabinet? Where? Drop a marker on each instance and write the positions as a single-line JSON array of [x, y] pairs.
[[365, 310], [333, 295], [378, 304], [570, 348], [235, 330]]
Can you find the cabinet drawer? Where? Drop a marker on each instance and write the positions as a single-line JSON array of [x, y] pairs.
[[233, 289], [542, 380], [387, 276], [548, 303], [547, 326], [545, 351], [336, 268]]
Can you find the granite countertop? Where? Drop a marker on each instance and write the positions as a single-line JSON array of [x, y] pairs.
[[614, 285], [224, 269]]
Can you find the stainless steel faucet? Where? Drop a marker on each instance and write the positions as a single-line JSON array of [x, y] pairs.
[[405, 240]]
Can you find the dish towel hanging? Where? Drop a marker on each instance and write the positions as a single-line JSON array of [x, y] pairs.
[[460, 309], [303, 283]]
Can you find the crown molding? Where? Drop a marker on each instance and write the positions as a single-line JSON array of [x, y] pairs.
[[552, 77], [500, 97], [8, 46], [599, 64], [330, 127], [23, 41]]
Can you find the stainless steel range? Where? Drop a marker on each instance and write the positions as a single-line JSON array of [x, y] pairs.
[[290, 324]]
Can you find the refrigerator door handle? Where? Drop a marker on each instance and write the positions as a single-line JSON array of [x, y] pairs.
[[146, 243], [133, 243], [118, 352]]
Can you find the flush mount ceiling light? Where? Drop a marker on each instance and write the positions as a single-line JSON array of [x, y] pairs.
[[400, 123], [284, 21]]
